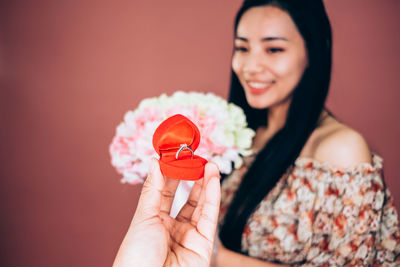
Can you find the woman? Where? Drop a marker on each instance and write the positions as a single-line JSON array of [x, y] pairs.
[[312, 194]]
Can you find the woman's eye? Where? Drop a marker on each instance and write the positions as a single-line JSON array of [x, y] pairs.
[[240, 49], [274, 50]]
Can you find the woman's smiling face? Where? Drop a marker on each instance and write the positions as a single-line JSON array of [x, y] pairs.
[[270, 56]]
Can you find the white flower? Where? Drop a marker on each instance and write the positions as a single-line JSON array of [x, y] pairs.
[[244, 138]]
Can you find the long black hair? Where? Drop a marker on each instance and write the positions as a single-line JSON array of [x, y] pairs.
[[307, 103]]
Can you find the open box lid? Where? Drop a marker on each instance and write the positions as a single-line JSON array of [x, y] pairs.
[[173, 132]]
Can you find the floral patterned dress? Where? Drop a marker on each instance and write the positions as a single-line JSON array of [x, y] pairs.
[[321, 216]]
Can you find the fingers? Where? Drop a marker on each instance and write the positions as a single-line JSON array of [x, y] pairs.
[[151, 195], [196, 196], [207, 222], [200, 237], [211, 170], [185, 214], [168, 194]]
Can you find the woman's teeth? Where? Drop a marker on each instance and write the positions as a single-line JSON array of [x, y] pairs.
[[258, 85]]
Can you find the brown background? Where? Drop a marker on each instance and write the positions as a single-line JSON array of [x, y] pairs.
[[69, 70]]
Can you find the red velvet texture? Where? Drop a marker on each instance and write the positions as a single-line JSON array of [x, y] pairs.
[[167, 140]]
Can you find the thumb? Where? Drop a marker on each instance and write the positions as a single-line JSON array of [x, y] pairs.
[[150, 197]]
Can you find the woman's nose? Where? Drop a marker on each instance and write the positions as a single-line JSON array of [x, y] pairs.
[[253, 64]]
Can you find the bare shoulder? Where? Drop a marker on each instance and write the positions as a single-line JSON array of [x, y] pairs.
[[339, 145]]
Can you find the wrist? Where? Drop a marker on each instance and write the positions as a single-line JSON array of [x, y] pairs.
[[220, 255], [215, 252]]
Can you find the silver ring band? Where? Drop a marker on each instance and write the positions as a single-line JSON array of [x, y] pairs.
[[183, 147]]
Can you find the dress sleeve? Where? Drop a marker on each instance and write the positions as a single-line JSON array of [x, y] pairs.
[[350, 220]]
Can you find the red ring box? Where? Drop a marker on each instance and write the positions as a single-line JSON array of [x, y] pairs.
[[167, 140]]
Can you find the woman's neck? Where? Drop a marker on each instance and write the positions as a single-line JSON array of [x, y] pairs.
[[276, 120], [277, 117]]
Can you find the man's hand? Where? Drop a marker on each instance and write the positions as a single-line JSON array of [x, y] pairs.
[[156, 239]]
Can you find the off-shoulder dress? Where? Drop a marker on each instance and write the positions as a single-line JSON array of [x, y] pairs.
[[318, 215]]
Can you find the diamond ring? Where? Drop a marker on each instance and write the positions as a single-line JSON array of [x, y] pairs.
[[183, 147]]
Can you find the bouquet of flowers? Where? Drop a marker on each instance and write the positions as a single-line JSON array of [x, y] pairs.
[[225, 138]]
